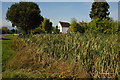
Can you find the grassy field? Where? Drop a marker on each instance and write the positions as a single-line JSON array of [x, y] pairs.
[[7, 51], [64, 56]]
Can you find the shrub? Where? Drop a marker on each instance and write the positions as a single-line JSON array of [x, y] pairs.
[[55, 30], [76, 27], [38, 30], [104, 26]]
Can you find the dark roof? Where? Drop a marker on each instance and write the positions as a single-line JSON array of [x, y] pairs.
[[64, 24]]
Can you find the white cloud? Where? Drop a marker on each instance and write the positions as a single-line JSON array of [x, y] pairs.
[[6, 23]]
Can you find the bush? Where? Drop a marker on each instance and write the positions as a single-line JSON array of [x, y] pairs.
[[55, 30], [76, 27], [104, 26], [38, 30]]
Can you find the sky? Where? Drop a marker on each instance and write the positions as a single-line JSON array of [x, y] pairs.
[[62, 11]]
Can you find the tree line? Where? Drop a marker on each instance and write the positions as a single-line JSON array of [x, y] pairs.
[[100, 21], [5, 30], [26, 17]]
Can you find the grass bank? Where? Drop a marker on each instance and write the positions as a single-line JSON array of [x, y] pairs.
[[7, 51]]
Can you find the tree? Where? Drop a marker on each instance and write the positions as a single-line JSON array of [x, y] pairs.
[[13, 31], [95, 26], [25, 16], [103, 26], [46, 25], [99, 10], [38, 30], [4, 30], [76, 27], [55, 30]]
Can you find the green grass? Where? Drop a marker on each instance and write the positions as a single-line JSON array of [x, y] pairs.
[[7, 51]]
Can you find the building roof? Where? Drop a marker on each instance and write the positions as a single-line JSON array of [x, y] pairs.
[[64, 24]]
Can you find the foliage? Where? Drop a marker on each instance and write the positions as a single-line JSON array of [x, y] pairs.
[[4, 30], [38, 30], [55, 30], [95, 26], [104, 26], [68, 55], [15, 31], [99, 10], [76, 27], [83, 26], [24, 15], [118, 25], [46, 25]]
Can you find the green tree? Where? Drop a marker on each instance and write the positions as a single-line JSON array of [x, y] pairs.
[[55, 30], [25, 16], [46, 25], [110, 26], [103, 26], [99, 10], [76, 27], [38, 30], [4, 30], [13, 31], [95, 26]]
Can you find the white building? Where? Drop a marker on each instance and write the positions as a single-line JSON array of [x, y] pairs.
[[63, 26]]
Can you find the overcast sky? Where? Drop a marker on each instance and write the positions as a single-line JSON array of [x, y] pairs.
[[63, 11]]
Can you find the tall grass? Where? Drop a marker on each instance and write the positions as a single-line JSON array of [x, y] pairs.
[[68, 55]]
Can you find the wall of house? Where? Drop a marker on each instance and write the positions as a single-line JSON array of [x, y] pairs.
[[60, 27], [64, 29]]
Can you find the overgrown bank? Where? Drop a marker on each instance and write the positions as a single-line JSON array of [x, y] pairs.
[[65, 56]]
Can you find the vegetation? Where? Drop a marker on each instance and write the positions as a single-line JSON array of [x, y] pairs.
[[4, 30], [7, 51], [25, 16], [99, 10], [95, 26], [90, 51], [47, 25], [65, 55], [104, 26], [55, 30], [76, 27], [38, 30], [101, 23]]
